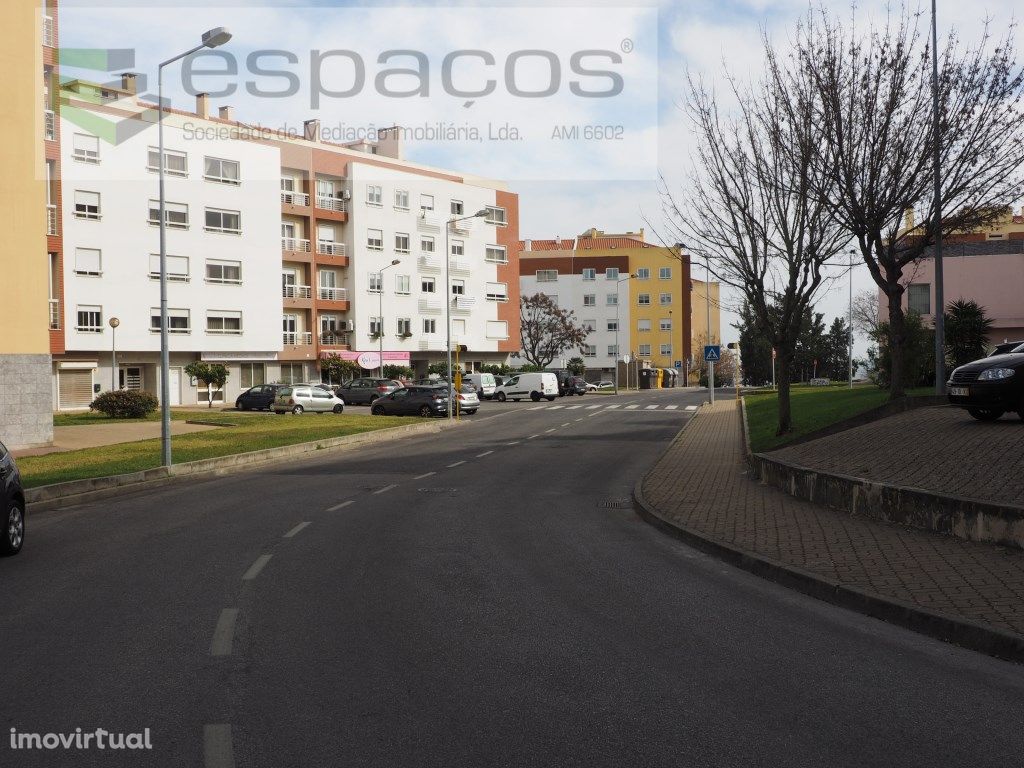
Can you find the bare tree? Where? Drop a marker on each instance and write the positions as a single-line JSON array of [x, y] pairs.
[[865, 313], [875, 167], [547, 330], [748, 207]]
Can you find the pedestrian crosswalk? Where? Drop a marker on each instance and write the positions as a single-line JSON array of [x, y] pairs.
[[613, 406]]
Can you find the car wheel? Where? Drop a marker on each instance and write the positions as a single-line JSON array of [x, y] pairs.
[[14, 531], [535, 396], [377, 410], [501, 397], [297, 410], [339, 408], [372, 398], [984, 414], [425, 411], [239, 405]]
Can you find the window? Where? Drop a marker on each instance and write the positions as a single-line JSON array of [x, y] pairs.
[[376, 282], [458, 209], [644, 350], [375, 239], [666, 350], [612, 273], [177, 267], [87, 205], [547, 275], [177, 320], [643, 325], [919, 298], [402, 284], [218, 220], [589, 300], [613, 350], [87, 261], [665, 324], [86, 148], [497, 329], [590, 274], [292, 373], [374, 195], [224, 272], [426, 202], [589, 350], [427, 285], [496, 254], [644, 299], [404, 326], [495, 215], [402, 199], [222, 171], [665, 273], [612, 299], [223, 321], [253, 374], [613, 325], [643, 273], [427, 243], [90, 319], [176, 213], [376, 326], [588, 325], [402, 242], [324, 233], [458, 327], [429, 325], [458, 287], [175, 163], [665, 299], [458, 248], [496, 291]]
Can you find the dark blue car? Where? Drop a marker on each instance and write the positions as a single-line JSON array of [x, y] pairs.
[[12, 497]]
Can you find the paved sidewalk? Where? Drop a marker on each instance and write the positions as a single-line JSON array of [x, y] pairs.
[[703, 485], [93, 435]]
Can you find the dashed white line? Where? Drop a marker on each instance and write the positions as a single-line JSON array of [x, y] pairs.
[[485, 453], [295, 530], [651, 408], [217, 749], [592, 407], [456, 464], [546, 431], [538, 408], [580, 419], [425, 474], [671, 407], [385, 489], [555, 407], [691, 407], [631, 407], [614, 405], [566, 424], [514, 442], [532, 436], [224, 633], [256, 567], [336, 507], [573, 407]]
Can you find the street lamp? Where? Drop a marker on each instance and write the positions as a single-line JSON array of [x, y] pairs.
[[940, 318], [211, 39], [448, 299], [669, 363], [707, 296], [380, 312], [113, 323], [849, 352], [617, 355]]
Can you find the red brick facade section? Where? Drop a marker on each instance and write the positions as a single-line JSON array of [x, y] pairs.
[[508, 236]]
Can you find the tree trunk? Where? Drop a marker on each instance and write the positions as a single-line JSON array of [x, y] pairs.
[[209, 395], [785, 408], [897, 341]]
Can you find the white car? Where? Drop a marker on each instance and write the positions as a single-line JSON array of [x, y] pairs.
[[591, 387], [531, 385], [299, 398], [467, 399]]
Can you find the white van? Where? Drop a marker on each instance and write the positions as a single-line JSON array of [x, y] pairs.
[[531, 385], [484, 383]]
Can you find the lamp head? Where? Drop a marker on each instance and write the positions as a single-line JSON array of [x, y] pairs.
[[114, 322], [216, 37], [395, 261], [481, 212]]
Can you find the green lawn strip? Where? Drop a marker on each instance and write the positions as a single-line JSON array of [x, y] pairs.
[[84, 418], [252, 432], [813, 408]]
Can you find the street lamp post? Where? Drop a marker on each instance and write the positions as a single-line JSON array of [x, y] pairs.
[[617, 355], [113, 322], [940, 319], [448, 299], [380, 313], [849, 322], [669, 363], [707, 296], [211, 39]]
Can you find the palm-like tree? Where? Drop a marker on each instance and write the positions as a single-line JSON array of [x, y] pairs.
[[967, 331]]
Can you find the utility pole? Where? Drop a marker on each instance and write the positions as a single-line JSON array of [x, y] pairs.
[[940, 301]]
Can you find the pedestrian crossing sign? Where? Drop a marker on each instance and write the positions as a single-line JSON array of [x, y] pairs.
[[712, 353]]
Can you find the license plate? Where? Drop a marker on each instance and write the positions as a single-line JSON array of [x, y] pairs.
[[960, 391]]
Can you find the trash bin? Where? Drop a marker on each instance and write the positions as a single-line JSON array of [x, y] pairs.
[[666, 378], [648, 379]]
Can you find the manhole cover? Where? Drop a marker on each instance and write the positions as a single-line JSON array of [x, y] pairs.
[[616, 504]]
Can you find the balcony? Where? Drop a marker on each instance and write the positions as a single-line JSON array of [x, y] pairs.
[[294, 244], [51, 219], [427, 222], [294, 198], [297, 338], [464, 227], [328, 203], [432, 263], [49, 125], [54, 314], [431, 345], [332, 294], [49, 32], [330, 247], [430, 305], [296, 291], [463, 304], [459, 267], [334, 339]]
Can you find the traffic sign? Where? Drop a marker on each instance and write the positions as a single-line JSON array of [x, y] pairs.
[[712, 353], [679, 363]]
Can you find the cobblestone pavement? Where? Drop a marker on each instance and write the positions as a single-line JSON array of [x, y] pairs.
[[934, 449], [703, 483]]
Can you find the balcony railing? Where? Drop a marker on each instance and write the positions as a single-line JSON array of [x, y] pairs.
[[51, 219], [49, 124], [428, 222], [297, 338], [54, 314], [459, 267], [432, 263], [430, 305], [427, 345], [296, 291], [328, 203], [294, 244], [294, 198], [463, 227], [330, 247], [334, 338], [49, 33], [333, 294], [463, 303]]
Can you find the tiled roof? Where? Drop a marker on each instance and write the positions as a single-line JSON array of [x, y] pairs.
[[549, 245], [586, 244]]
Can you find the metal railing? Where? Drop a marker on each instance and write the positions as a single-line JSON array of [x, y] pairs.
[[430, 262], [459, 267], [298, 338], [328, 203], [49, 32], [294, 198], [294, 244], [334, 338], [330, 247], [49, 124], [333, 294], [430, 305], [293, 291], [463, 303], [431, 344], [54, 314], [51, 219]]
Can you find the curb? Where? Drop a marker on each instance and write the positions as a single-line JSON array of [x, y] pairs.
[[57, 495], [962, 632]]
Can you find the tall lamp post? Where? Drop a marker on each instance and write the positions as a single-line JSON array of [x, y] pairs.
[[211, 39], [849, 323], [617, 355], [113, 322], [448, 299], [707, 296], [940, 319], [668, 365], [380, 313]]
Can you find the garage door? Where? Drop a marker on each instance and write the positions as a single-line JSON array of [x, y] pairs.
[[74, 388]]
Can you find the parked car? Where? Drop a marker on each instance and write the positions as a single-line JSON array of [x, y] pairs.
[[261, 396], [366, 390], [577, 386], [12, 499], [606, 385], [304, 397], [467, 400], [1005, 347], [990, 387], [591, 387], [484, 383], [531, 385], [413, 400]]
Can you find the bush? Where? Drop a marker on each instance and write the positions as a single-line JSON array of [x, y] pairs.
[[125, 404]]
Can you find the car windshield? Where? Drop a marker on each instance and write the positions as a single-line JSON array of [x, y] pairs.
[[1018, 349], [284, 391]]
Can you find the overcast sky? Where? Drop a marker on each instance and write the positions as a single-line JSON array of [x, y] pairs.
[[566, 184]]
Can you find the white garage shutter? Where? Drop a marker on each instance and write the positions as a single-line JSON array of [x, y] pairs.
[[75, 388]]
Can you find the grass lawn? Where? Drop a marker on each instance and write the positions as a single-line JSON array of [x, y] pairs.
[[813, 409], [250, 432], [79, 418]]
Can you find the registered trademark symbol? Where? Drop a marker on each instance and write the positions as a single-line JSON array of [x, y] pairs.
[[626, 45]]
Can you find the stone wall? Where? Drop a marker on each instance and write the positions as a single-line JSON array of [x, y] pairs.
[[26, 400]]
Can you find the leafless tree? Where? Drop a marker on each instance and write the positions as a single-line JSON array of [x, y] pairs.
[[865, 313], [875, 167], [547, 330]]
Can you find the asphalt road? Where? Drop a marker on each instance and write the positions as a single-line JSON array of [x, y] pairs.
[[483, 597]]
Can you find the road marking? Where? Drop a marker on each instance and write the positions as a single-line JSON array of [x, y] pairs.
[[217, 750], [566, 424], [671, 407], [514, 442], [256, 567], [580, 419], [295, 530], [456, 464], [336, 507], [573, 407], [385, 489], [631, 407], [224, 633], [616, 405], [555, 407], [532, 436], [425, 474], [691, 407], [538, 408], [546, 431], [485, 453], [593, 407], [651, 408]]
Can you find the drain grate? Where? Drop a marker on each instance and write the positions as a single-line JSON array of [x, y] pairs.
[[615, 504]]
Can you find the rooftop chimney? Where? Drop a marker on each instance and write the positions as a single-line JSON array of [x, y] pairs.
[[128, 82], [908, 218], [312, 130], [227, 113], [528, 244], [203, 105]]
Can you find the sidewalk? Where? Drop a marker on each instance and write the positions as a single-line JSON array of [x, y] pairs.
[[703, 486], [95, 435]]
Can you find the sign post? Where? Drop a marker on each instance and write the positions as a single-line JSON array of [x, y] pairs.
[[774, 353], [712, 353]]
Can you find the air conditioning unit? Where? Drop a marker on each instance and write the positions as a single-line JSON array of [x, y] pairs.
[[348, 325], [346, 194]]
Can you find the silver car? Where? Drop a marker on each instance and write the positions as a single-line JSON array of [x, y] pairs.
[[298, 398]]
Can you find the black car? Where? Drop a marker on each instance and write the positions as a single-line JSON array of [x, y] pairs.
[[1005, 347], [12, 501], [365, 391], [259, 397], [412, 401], [990, 387]]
